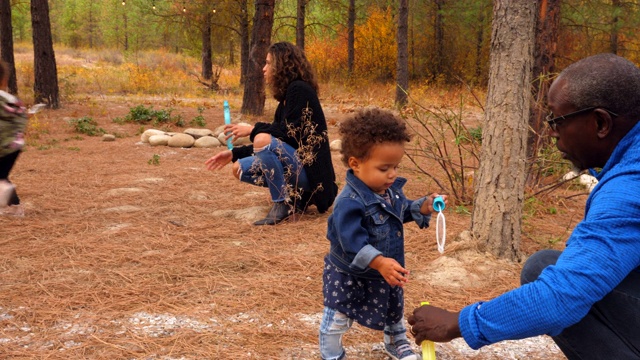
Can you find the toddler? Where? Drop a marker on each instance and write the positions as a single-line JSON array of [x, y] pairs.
[[13, 120], [364, 270]]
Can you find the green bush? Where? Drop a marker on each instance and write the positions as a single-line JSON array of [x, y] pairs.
[[86, 125]]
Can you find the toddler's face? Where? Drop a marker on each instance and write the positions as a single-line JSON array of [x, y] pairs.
[[379, 170]]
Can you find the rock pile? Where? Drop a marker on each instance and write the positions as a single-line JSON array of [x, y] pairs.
[[192, 137]]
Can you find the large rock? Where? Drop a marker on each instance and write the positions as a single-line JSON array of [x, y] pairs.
[[148, 133], [159, 140], [207, 142], [336, 145], [181, 140], [242, 141], [221, 137], [198, 133]]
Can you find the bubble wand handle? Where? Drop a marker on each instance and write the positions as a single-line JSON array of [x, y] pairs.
[[227, 120], [428, 347]]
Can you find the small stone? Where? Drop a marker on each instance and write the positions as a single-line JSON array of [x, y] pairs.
[[336, 145]]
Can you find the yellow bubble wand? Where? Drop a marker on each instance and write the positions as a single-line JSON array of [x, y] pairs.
[[428, 347]]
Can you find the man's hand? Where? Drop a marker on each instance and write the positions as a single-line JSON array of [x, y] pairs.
[[435, 324]]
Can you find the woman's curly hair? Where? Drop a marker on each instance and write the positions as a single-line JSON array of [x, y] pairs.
[[289, 64], [369, 127]]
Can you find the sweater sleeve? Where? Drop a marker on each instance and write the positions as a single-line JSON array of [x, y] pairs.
[[602, 250], [240, 152], [290, 115]]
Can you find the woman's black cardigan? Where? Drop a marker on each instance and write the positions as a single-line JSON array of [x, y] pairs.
[[302, 101]]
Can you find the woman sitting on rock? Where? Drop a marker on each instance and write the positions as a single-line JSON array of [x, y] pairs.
[[291, 155]]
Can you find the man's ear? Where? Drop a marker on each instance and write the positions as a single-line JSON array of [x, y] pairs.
[[604, 122]]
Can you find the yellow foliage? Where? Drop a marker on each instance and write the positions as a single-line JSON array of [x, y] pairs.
[[375, 45], [329, 58], [375, 50]]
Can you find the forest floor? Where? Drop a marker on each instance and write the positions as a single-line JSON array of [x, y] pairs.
[[128, 251]]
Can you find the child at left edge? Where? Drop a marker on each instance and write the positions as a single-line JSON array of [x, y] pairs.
[[364, 271]]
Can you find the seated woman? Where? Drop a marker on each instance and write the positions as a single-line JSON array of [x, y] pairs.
[[291, 155]]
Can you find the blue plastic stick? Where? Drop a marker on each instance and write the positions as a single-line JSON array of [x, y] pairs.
[[227, 120]]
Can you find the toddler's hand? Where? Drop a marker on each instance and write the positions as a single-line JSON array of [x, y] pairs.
[[427, 205], [391, 271]]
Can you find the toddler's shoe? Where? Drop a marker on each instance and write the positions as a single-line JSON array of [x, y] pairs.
[[401, 351], [12, 210], [7, 191]]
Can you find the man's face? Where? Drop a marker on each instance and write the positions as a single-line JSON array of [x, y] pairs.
[[575, 135]]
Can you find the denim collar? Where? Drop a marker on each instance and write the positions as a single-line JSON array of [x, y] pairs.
[[368, 196]]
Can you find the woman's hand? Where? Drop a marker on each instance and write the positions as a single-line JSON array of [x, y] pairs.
[[427, 205], [237, 131], [390, 269], [219, 160]]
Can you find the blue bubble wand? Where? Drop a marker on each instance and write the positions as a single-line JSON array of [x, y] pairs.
[[441, 223], [227, 121]]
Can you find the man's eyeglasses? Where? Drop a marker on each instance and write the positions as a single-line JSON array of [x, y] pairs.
[[553, 121]]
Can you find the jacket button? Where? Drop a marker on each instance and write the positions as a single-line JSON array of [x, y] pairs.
[[380, 216], [399, 233]]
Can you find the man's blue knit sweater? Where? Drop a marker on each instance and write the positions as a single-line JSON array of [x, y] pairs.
[[602, 250]]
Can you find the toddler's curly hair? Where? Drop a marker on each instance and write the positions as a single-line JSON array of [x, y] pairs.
[[369, 127]]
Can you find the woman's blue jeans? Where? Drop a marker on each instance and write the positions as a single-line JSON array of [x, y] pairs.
[[611, 329], [277, 167]]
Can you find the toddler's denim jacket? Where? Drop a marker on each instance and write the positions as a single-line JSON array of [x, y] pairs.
[[363, 226]]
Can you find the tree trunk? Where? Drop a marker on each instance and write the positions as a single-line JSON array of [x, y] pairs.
[[244, 41], [479, 44], [351, 37], [302, 8], [232, 53], [6, 44], [207, 65], [496, 220], [254, 94], [546, 45], [615, 23], [402, 67], [45, 86], [126, 31], [438, 25]]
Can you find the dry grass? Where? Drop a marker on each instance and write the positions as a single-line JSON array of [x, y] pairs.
[[117, 258]]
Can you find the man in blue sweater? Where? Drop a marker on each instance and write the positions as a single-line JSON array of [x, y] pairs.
[[587, 297]]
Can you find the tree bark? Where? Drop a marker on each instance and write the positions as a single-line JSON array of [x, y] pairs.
[[496, 220], [615, 23], [207, 65], [438, 30], [300, 19], [6, 44], [254, 93], [351, 37], [45, 86], [244, 41], [402, 66], [546, 45]]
